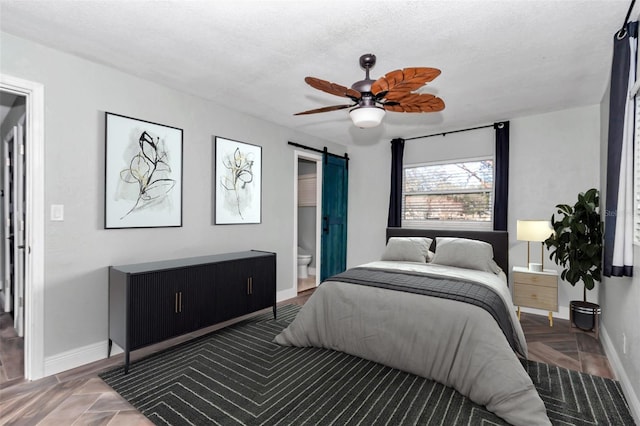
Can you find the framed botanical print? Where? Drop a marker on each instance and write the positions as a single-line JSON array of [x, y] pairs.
[[143, 173], [238, 182]]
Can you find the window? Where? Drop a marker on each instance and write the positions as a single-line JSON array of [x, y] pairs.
[[448, 195]]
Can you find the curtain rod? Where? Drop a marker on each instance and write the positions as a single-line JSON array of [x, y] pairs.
[[622, 32], [453, 131], [345, 156]]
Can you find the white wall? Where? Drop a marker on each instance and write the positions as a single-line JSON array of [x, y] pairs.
[[472, 144], [369, 183], [553, 157], [78, 250], [619, 297]]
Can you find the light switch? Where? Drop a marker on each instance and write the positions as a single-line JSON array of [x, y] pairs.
[[57, 212]]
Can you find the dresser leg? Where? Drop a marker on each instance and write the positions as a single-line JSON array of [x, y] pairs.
[[126, 361], [518, 313], [550, 319]]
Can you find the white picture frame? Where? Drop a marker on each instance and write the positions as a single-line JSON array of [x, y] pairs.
[[238, 182], [143, 173]]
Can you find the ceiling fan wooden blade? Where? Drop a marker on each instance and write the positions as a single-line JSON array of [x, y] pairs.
[[324, 109], [405, 80], [332, 88], [415, 102]]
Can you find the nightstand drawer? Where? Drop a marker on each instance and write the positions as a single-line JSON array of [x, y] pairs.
[[536, 279], [536, 296]]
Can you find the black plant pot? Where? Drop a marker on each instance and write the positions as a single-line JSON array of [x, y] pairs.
[[584, 314]]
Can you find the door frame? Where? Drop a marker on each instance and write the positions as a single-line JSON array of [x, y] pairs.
[[302, 155], [34, 218]]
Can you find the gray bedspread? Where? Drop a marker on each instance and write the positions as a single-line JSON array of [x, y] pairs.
[[437, 286], [455, 343]]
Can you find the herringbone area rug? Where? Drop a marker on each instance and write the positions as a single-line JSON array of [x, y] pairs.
[[237, 376]]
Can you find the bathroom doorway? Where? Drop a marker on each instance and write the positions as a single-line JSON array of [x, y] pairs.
[[307, 223]]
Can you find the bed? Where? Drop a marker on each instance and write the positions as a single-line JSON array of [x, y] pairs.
[[437, 305]]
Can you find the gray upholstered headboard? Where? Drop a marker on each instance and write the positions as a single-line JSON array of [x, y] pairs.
[[498, 239]]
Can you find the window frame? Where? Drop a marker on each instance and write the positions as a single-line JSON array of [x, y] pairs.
[[451, 224]]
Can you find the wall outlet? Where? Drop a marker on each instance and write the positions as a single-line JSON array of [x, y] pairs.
[[624, 343]]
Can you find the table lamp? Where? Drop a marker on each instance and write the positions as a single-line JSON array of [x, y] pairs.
[[534, 230]]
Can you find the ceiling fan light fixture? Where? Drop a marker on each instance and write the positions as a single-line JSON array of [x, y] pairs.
[[395, 91], [367, 116]]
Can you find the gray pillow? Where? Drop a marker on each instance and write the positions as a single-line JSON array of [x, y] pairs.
[[407, 249], [465, 253]]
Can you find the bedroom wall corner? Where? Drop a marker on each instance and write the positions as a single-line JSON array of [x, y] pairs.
[[78, 250], [369, 183], [553, 157], [618, 299]]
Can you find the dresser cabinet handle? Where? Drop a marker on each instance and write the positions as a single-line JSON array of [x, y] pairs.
[[178, 300]]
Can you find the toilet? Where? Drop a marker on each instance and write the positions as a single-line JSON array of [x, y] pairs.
[[304, 259]]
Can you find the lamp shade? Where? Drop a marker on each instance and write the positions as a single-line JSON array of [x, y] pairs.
[[367, 116], [533, 230]]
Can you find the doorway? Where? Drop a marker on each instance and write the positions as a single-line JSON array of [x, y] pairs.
[[29, 251], [307, 219], [12, 255]]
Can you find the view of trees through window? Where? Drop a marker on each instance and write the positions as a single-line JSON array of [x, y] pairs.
[[461, 192]]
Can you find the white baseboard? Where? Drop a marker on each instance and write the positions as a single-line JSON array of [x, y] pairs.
[[616, 364], [87, 354], [289, 293], [75, 358]]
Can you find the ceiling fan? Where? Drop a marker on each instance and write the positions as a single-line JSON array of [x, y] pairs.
[[393, 92]]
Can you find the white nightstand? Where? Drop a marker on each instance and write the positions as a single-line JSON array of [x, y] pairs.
[[535, 290]]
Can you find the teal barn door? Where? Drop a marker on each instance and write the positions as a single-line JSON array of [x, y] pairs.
[[335, 193]]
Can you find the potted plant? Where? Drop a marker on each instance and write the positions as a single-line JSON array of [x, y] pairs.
[[576, 245]]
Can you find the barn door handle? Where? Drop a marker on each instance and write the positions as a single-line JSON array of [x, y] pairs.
[[325, 226]]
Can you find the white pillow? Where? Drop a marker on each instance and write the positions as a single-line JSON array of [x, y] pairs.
[[465, 253], [494, 267], [407, 249]]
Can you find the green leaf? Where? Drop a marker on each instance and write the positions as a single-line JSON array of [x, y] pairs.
[[576, 243], [588, 282]]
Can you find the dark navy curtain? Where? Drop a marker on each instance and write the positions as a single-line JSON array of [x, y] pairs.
[[501, 184], [618, 221], [395, 199]]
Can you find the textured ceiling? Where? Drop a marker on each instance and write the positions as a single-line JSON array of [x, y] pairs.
[[499, 59]]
